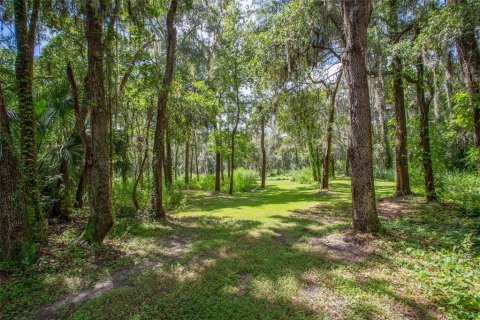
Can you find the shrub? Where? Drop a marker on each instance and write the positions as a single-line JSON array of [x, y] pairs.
[[245, 180], [302, 176]]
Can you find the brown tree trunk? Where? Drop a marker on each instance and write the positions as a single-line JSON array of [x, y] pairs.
[[196, 158], [313, 161], [99, 181], [15, 232], [470, 55], [264, 153], [159, 142], [80, 115], [424, 109], [401, 156], [356, 15], [25, 37], [144, 159], [232, 146], [328, 137], [187, 164], [168, 160]]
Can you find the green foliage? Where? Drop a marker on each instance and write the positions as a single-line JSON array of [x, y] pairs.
[[245, 180], [439, 248], [302, 176]]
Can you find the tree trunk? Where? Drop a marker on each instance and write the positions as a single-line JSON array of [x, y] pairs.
[[356, 15], [187, 163], [401, 156], [424, 109], [15, 236], [380, 92], [99, 181], [159, 141], [470, 55], [218, 170], [232, 146], [80, 115], [61, 210], [264, 153], [328, 138], [168, 160], [144, 159], [313, 161], [25, 37]]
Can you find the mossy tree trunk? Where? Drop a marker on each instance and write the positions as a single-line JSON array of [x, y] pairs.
[[15, 232], [25, 32], [159, 140], [99, 180]]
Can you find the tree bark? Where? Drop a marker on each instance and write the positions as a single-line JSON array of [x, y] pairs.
[[328, 137], [15, 232], [168, 159], [424, 109], [356, 15], [187, 164], [144, 159], [264, 153], [232, 146], [25, 36], [470, 55], [80, 115], [401, 155], [99, 186], [159, 141]]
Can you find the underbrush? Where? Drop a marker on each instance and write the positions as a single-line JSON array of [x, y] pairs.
[[438, 246], [244, 180], [303, 176]]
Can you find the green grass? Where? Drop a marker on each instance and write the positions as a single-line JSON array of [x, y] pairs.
[[254, 256]]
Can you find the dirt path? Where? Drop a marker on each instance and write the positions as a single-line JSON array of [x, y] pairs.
[[175, 246]]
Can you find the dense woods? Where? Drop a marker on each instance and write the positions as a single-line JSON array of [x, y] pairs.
[[117, 111]]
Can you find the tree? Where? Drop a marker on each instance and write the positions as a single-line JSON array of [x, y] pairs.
[[424, 110], [356, 15], [332, 93], [16, 238], [467, 47], [25, 32], [159, 138], [99, 181]]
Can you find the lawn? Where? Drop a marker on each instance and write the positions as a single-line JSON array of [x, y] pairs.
[[281, 253]]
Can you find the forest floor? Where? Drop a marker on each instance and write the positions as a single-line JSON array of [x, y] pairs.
[[281, 253]]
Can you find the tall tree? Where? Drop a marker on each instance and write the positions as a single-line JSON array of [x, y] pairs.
[[25, 32], [99, 181], [424, 110], [401, 154], [15, 235], [467, 47], [263, 172], [160, 128], [356, 16], [331, 95]]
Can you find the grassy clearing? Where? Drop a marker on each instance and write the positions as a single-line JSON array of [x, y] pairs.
[[279, 253]]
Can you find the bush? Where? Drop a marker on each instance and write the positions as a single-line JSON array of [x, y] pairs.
[[462, 188], [205, 182], [302, 176], [384, 174], [245, 180]]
